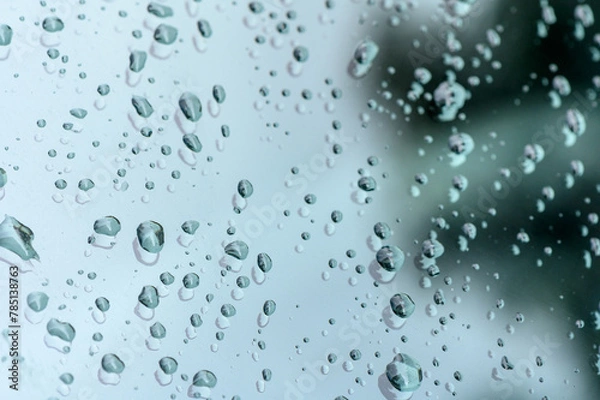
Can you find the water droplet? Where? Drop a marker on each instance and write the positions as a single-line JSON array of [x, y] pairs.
[[390, 258], [52, 24], [6, 34], [149, 297], [204, 28], [237, 249], [168, 365], [165, 34], [62, 330], [160, 10], [108, 226], [269, 308], [402, 305], [142, 106], [16, 237], [151, 236], [245, 188], [205, 378], [404, 373], [190, 106], [111, 363], [37, 301], [137, 60]]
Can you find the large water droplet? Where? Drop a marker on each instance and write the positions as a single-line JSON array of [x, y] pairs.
[[237, 249], [404, 373], [149, 296], [205, 378], [151, 236], [108, 226], [16, 237], [142, 106], [62, 330], [165, 34], [37, 301], [52, 24], [391, 258], [111, 363], [6, 34], [190, 106]]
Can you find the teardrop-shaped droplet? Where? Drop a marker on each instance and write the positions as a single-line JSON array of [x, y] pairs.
[[402, 305], [190, 106], [264, 262], [245, 188], [142, 106], [149, 296], [269, 307], [204, 28], [192, 142]]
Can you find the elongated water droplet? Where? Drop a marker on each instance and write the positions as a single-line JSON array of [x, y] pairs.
[[205, 28], [192, 142], [62, 330], [137, 60], [402, 305], [219, 93], [264, 262], [160, 10], [245, 188], [3, 178], [269, 307], [6, 34], [142, 106], [108, 226], [190, 106]]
